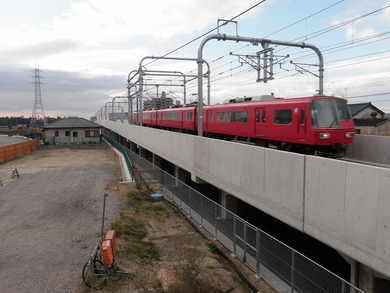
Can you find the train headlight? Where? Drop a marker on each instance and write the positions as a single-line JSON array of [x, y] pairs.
[[349, 134], [324, 135]]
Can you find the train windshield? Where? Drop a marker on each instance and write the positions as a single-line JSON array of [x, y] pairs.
[[343, 110], [324, 113]]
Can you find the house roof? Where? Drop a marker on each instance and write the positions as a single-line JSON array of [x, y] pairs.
[[71, 123], [356, 108]]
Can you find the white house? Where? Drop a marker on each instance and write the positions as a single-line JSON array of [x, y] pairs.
[[369, 119], [72, 130]]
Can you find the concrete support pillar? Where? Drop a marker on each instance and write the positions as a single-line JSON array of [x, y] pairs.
[[180, 174], [141, 151], [366, 277], [133, 147], [156, 160], [229, 202]]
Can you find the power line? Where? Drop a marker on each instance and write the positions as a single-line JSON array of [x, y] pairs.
[[369, 95], [339, 25], [305, 18], [208, 32], [356, 63]]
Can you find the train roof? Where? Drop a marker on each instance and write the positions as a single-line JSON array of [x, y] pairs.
[[252, 102], [277, 101]]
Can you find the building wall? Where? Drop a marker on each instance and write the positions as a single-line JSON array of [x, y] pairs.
[[382, 129], [366, 113], [61, 139]]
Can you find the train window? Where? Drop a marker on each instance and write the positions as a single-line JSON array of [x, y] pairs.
[[282, 116], [263, 116], [323, 113], [232, 116], [154, 115], [343, 110], [209, 116], [302, 122], [172, 116], [190, 116]]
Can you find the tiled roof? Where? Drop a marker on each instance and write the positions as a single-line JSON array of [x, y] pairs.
[[73, 122], [356, 108]]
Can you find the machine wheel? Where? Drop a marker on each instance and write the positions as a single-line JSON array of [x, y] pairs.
[[94, 274]]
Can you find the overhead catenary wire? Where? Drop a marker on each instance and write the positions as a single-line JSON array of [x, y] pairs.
[[210, 31], [232, 71]]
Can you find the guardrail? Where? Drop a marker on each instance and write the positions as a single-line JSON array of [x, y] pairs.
[[122, 150], [11, 151]]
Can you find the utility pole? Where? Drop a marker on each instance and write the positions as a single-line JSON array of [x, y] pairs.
[[38, 117]]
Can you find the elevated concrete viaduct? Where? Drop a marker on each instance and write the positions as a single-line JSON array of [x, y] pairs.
[[343, 204]]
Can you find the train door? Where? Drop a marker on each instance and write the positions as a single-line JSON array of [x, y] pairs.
[[302, 124], [209, 120], [260, 119]]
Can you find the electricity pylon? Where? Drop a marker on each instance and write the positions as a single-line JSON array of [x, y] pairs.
[[38, 117]]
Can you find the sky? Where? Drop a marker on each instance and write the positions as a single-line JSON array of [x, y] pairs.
[[85, 50]]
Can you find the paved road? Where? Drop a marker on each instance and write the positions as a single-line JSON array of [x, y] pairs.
[[50, 218], [6, 140]]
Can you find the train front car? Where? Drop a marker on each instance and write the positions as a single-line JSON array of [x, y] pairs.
[[331, 124]]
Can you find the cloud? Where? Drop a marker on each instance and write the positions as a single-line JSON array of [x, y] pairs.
[[63, 93], [99, 21], [35, 51]]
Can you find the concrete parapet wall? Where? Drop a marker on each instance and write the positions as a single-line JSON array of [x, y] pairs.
[[269, 180], [347, 207], [174, 147], [371, 148]]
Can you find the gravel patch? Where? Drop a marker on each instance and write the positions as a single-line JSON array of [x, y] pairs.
[[51, 217]]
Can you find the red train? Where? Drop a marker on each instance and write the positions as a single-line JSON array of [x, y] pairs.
[[306, 125]]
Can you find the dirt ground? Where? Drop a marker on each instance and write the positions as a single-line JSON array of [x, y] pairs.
[[51, 218]]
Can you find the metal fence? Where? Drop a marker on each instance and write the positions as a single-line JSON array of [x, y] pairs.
[[265, 255]]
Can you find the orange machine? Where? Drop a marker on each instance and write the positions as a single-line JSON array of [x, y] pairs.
[[108, 257], [110, 236]]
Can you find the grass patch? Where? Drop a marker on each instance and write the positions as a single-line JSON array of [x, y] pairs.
[[129, 225], [142, 202], [143, 250], [152, 208], [212, 247]]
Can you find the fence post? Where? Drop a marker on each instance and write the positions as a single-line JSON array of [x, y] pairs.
[[244, 244], [215, 220], [234, 235], [292, 270], [201, 208], [258, 245]]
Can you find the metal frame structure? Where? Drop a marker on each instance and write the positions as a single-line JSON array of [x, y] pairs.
[[140, 82], [265, 44]]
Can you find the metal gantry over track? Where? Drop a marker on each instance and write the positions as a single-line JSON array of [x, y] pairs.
[[263, 62], [267, 59]]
